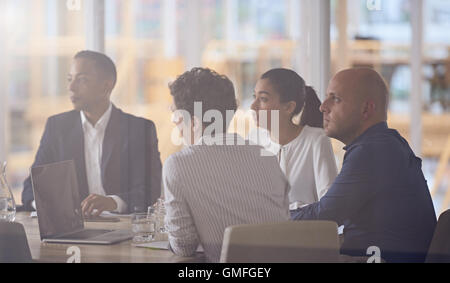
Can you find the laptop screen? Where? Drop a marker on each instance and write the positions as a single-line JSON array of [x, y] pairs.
[[57, 200]]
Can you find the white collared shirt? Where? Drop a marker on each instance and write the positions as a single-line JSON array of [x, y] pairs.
[[93, 150], [307, 161]]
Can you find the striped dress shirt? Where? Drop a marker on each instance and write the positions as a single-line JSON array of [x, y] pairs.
[[210, 187]]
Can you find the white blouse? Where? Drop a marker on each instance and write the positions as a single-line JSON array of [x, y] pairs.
[[308, 163]]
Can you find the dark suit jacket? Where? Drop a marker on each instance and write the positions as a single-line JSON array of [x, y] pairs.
[[381, 197], [131, 164]]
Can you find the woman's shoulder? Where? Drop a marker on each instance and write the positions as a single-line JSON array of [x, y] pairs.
[[320, 145], [314, 134], [315, 138]]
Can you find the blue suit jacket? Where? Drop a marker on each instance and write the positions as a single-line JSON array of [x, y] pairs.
[[381, 197], [130, 166]]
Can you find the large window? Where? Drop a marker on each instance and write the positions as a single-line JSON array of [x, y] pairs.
[[150, 40], [240, 39], [41, 38], [382, 39], [153, 41]]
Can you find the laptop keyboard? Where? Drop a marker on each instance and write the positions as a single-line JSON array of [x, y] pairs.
[[87, 234]]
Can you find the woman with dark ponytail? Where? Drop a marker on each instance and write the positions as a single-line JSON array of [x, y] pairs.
[[303, 149]]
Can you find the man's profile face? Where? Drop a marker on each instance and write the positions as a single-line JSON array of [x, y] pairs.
[[341, 110], [86, 86]]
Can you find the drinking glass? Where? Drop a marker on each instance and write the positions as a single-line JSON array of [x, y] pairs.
[[7, 203], [143, 227]]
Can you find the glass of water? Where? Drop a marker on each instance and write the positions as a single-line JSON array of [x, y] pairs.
[[143, 227], [7, 203]]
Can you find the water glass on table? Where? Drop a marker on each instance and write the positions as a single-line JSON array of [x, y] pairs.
[[143, 227]]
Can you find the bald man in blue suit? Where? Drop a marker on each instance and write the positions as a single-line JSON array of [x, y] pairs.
[[380, 196]]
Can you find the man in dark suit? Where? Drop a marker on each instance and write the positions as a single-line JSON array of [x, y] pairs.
[[116, 154], [380, 196]]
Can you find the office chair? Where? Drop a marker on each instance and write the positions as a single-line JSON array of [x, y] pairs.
[[439, 251], [293, 241], [13, 244]]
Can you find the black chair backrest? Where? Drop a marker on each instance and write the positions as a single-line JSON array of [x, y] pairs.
[[439, 251], [13, 244]]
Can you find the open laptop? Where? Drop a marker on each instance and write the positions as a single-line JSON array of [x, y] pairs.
[[59, 211]]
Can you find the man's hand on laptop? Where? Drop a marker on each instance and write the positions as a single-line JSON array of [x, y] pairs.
[[97, 203]]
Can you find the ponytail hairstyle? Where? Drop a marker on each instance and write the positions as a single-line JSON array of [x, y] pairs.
[[291, 87]]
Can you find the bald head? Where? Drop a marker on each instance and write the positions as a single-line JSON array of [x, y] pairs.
[[365, 84], [356, 100]]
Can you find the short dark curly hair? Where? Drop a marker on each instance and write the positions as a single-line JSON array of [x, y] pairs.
[[214, 91], [102, 62]]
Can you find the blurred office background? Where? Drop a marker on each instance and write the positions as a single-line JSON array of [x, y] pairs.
[[153, 41]]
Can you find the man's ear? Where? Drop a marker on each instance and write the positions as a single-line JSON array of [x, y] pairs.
[[369, 109], [108, 87]]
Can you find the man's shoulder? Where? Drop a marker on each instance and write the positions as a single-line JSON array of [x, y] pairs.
[[64, 118], [387, 145], [387, 140], [176, 163], [183, 155], [65, 115], [198, 155], [135, 119]]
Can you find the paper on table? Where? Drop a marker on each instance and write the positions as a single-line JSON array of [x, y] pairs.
[[162, 245], [110, 214], [103, 214]]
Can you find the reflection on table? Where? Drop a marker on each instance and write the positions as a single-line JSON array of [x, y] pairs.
[[120, 253]]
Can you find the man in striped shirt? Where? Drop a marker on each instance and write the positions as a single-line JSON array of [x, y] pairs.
[[219, 179]]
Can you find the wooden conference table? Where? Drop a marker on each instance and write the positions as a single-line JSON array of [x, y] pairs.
[[122, 252]]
